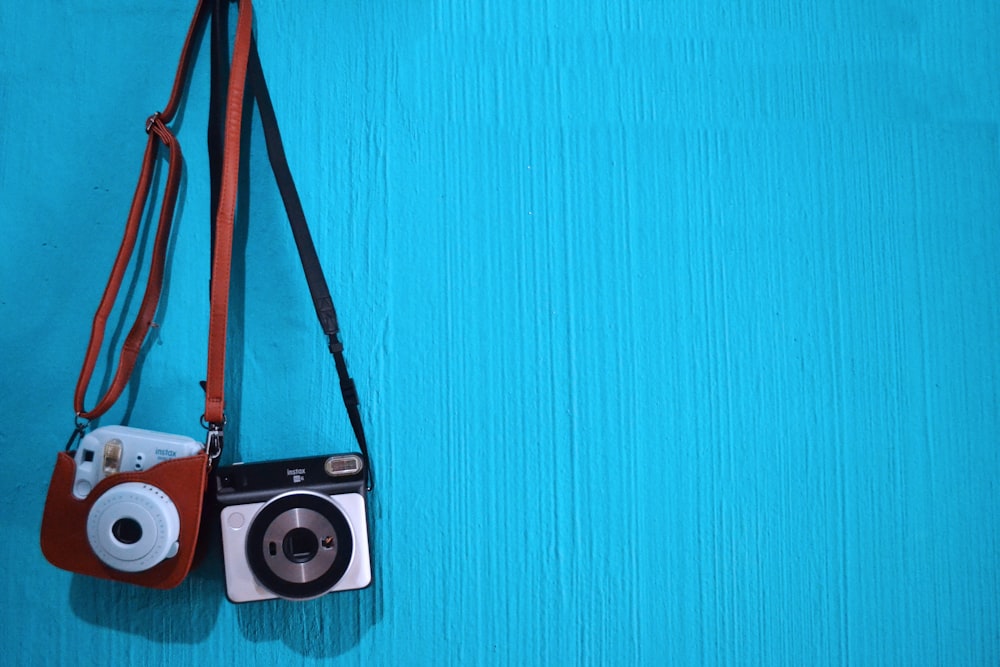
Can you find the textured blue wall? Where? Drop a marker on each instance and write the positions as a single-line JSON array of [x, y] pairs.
[[676, 325]]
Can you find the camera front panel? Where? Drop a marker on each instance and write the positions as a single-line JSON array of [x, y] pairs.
[[298, 545]]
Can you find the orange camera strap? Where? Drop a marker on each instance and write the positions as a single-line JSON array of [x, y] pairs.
[[225, 131], [257, 91], [159, 135], [223, 229]]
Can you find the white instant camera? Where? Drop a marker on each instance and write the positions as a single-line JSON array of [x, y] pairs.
[[294, 529]]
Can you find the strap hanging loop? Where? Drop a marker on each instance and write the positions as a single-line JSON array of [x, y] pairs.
[[158, 134]]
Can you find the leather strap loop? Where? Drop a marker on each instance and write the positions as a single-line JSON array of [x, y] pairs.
[[222, 255], [159, 134]]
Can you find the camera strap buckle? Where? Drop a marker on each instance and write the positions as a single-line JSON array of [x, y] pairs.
[[213, 444], [77, 435], [152, 121]]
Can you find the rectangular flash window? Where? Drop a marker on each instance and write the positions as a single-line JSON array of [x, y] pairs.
[[112, 457], [338, 466]]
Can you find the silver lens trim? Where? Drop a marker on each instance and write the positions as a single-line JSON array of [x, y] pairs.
[[278, 531]]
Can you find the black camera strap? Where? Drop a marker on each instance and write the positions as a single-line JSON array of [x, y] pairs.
[[315, 279]]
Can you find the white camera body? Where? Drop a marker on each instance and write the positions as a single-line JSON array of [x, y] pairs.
[[113, 449], [133, 526], [294, 529]]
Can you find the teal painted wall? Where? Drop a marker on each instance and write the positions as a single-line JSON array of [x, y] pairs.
[[676, 325]]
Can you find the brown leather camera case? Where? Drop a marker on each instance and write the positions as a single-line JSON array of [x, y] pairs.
[[64, 521]]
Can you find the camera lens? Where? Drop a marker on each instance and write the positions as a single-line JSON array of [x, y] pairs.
[[133, 527], [300, 545], [126, 530]]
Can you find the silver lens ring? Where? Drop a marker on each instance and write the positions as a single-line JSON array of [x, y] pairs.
[[299, 545]]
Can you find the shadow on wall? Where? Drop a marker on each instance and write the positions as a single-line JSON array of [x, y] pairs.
[[187, 614], [323, 628], [326, 627]]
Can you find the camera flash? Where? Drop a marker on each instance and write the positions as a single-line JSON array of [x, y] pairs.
[[112, 456], [337, 466]]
